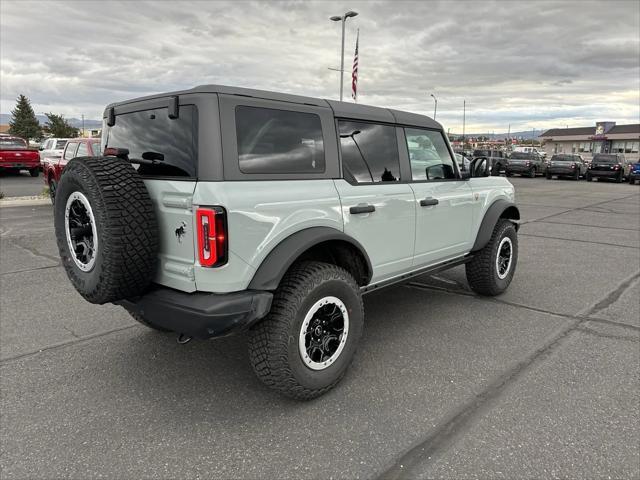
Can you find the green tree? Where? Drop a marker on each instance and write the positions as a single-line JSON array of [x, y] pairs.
[[23, 121], [58, 126]]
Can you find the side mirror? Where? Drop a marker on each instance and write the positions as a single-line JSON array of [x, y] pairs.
[[479, 167]]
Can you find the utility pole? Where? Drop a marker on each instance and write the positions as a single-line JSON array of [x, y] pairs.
[[464, 114], [435, 106], [83, 125], [533, 135], [342, 19]]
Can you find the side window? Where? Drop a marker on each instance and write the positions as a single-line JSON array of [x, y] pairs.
[[429, 155], [83, 151], [70, 152], [279, 141], [369, 152]]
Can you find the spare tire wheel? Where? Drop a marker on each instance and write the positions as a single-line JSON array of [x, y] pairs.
[[106, 229]]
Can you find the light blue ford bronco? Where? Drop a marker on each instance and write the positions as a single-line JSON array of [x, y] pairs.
[[219, 210]]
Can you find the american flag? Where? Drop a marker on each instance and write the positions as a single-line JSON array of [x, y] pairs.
[[354, 72]]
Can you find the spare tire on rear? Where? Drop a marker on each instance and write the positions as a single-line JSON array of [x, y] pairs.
[[106, 229]]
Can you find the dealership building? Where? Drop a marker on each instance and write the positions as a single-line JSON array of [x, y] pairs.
[[604, 137]]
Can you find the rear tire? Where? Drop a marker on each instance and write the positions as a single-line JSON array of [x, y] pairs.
[[490, 272], [576, 176], [549, 176], [620, 178], [532, 173], [589, 177], [34, 172], [53, 185], [106, 229], [278, 351]]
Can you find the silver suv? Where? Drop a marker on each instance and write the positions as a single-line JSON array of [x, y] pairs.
[[218, 210]]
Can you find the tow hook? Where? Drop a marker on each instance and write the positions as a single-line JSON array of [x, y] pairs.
[[183, 339]]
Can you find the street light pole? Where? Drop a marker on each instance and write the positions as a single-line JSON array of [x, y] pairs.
[[464, 114], [435, 106], [342, 19]]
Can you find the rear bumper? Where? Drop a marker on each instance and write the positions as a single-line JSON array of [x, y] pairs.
[[518, 168], [201, 315], [604, 173], [28, 165], [561, 170]]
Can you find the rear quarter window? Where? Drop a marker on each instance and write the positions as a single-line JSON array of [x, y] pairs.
[[272, 141], [152, 134]]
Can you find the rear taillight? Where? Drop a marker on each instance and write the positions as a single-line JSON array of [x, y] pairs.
[[211, 223], [573, 165]]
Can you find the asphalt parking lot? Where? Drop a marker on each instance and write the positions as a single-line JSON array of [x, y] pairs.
[[21, 184], [540, 382]]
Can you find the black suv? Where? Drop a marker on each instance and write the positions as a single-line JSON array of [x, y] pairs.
[[607, 165], [566, 165], [528, 164], [498, 159]]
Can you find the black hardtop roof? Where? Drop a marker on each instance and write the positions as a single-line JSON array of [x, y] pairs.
[[341, 109]]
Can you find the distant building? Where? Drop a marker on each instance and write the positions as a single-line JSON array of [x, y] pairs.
[[605, 137], [4, 128]]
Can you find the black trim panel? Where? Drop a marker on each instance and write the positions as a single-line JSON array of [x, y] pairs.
[[278, 261], [489, 222]]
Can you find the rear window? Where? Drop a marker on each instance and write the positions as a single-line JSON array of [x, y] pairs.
[[152, 134], [279, 141], [12, 144], [481, 153], [563, 158], [605, 158], [521, 156]]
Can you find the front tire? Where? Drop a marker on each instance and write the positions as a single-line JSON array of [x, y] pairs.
[[304, 346], [532, 173], [490, 272]]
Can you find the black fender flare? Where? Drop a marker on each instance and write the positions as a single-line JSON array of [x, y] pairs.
[[278, 260], [494, 212]]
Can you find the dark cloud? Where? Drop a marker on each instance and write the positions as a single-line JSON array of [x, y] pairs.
[[532, 64]]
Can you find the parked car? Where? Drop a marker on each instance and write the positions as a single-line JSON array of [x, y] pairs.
[[540, 151], [15, 155], [218, 210], [497, 158], [76, 147], [634, 172], [529, 164], [567, 165], [52, 148], [610, 166]]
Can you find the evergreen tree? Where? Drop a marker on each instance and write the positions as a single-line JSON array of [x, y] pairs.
[[58, 126], [23, 121]]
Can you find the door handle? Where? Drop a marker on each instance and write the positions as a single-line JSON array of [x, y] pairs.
[[429, 202], [362, 209]]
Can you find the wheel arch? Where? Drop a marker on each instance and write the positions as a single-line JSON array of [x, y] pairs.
[[499, 209], [315, 243]]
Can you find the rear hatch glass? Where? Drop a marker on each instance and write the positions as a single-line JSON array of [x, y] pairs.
[[158, 145], [563, 158], [521, 156], [605, 159]]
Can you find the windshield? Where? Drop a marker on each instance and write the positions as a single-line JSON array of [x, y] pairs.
[[563, 158], [521, 156], [605, 158], [12, 144], [150, 135]]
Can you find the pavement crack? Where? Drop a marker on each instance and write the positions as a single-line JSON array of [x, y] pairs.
[[35, 252], [590, 331], [611, 297], [577, 240], [30, 269], [450, 429]]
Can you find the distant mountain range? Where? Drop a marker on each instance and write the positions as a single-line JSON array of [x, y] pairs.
[[526, 135], [74, 122]]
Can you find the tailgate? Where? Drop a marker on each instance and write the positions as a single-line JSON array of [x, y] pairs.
[[172, 200]]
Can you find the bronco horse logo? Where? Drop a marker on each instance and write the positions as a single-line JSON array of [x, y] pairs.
[[180, 231]]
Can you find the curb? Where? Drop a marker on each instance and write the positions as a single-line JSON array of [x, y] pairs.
[[24, 201]]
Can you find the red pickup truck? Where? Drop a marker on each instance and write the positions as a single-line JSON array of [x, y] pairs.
[[15, 155], [52, 167]]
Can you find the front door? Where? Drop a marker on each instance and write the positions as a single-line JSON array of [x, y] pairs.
[[378, 210], [443, 201]]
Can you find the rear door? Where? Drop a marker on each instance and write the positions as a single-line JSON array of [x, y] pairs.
[[443, 201], [164, 150], [377, 204]]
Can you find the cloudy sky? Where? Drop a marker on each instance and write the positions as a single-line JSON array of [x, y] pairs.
[[531, 64]]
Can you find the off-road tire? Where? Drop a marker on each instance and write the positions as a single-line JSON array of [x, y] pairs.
[[481, 272], [273, 343], [126, 227], [140, 319], [34, 172], [53, 186]]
